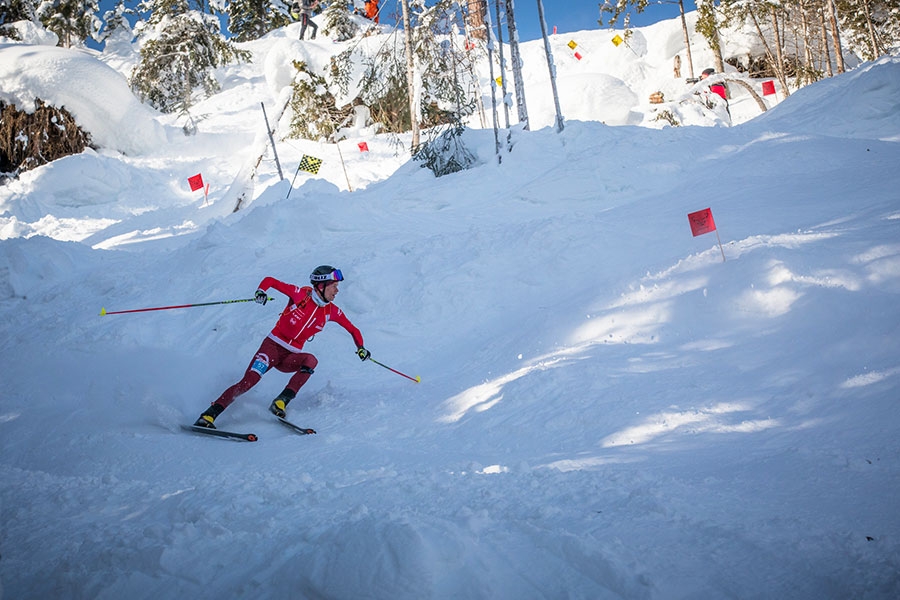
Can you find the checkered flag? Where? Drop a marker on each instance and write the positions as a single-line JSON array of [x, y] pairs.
[[310, 164]]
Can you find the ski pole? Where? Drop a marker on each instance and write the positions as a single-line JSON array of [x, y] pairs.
[[417, 379], [104, 312]]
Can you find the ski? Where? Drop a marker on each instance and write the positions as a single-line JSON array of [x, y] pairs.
[[247, 437], [296, 428]]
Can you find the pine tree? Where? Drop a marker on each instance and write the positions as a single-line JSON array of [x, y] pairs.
[[382, 87], [29, 139], [446, 89], [12, 11], [338, 23], [315, 116], [445, 85], [73, 21], [180, 48], [252, 19], [116, 24], [444, 102], [872, 26], [442, 64]]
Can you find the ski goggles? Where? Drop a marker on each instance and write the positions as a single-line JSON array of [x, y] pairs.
[[335, 275]]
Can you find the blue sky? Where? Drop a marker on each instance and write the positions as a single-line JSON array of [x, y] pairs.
[[577, 15]]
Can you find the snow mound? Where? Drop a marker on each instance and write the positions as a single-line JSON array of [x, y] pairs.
[[615, 107], [74, 79], [863, 103]]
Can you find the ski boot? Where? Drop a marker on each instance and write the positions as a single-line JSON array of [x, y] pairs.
[[209, 416], [280, 403]]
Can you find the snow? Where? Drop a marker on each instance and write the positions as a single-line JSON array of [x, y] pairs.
[[607, 409], [71, 79]]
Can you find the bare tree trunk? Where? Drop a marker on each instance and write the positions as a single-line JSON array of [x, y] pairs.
[[717, 52], [560, 125], [779, 51], [836, 36], [475, 19], [779, 73], [687, 39], [873, 40], [502, 68], [825, 54], [750, 90], [410, 77], [490, 51], [807, 43], [521, 109]]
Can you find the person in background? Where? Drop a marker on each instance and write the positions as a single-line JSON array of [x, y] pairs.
[[372, 10], [716, 88], [303, 11], [308, 309]]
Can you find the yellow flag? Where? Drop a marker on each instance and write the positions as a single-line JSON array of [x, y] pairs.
[[572, 44], [310, 164], [499, 81], [617, 40]]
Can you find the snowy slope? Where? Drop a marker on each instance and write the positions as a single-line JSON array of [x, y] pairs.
[[607, 409]]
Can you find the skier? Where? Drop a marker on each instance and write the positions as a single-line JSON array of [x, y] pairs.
[[307, 311], [303, 10]]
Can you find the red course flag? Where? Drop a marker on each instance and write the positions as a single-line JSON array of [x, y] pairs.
[[768, 88], [701, 222], [196, 182], [578, 56], [363, 147]]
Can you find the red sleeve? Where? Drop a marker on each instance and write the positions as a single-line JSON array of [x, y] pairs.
[[291, 291], [338, 316]]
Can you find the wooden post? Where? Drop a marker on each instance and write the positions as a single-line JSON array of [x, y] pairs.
[[347, 177], [272, 141]]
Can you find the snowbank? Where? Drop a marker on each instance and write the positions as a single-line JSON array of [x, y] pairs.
[[75, 79]]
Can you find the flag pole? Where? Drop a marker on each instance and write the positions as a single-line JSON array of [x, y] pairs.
[[347, 177], [718, 239], [297, 172]]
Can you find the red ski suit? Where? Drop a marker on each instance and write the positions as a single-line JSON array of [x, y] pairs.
[[300, 320]]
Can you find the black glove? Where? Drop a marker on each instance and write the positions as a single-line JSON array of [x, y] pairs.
[[261, 297], [363, 354]]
